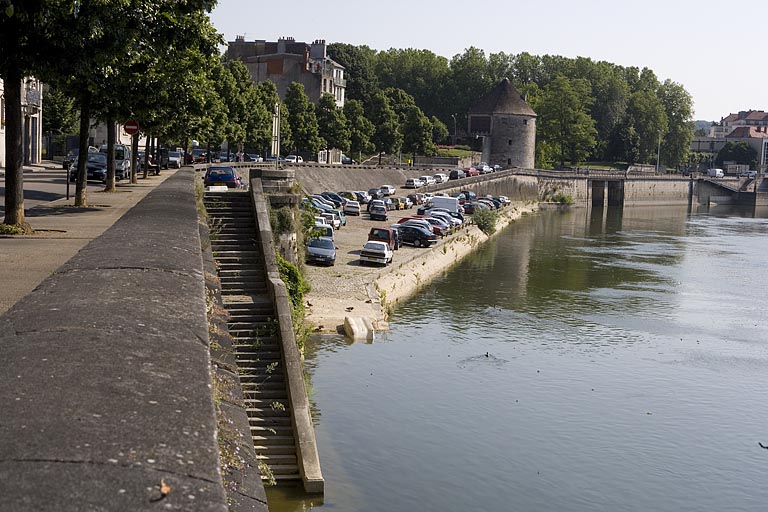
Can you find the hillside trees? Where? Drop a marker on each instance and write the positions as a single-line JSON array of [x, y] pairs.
[[360, 128], [301, 115], [332, 124]]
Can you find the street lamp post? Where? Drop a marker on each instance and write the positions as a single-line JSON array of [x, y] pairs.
[[454, 128]]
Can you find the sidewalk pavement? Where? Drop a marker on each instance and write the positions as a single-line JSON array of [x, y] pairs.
[[61, 230]]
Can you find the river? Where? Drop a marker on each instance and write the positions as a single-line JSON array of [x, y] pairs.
[[583, 360]]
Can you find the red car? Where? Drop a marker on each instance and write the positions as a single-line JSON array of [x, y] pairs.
[[472, 172]]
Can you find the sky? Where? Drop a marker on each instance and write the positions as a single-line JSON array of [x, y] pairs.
[[714, 49]]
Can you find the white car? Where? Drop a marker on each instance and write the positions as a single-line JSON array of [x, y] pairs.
[[294, 159], [376, 252], [352, 207], [332, 220], [428, 180], [440, 178], [387, 190]]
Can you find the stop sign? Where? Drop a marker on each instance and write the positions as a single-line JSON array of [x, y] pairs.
[[131, 127]]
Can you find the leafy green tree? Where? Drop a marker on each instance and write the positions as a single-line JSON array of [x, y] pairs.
[[468, 81], [739, 152], [417, 133], [646, 115], [386, 136], [60, 112], [419, 72], [267, 91], [678, 107], [359, 63], [439, 131], [332, 124], [360, 128], [564, 121], [301, 115], [400, 101]]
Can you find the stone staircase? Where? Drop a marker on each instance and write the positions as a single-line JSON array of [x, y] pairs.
[[237, 252]]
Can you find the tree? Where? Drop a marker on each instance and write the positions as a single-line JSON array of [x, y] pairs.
[[359, 63], [301, 114], [420, 73], [60, 112], [439, 131], [386, 136], [417, 133], [739, 152], [267, 91], [678, 107], [360, 128], [332, 124], [645, 114], [563, 119]]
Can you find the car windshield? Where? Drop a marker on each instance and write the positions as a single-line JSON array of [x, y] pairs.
[[97, 158], [376, 246], [322, 243], [174, 153], [221, 171]]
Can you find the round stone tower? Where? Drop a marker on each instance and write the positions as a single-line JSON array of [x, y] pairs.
[[507, 125]]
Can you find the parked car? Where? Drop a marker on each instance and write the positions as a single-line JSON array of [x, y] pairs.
[[345, 160], [378, 212], [334, 198], [387, 235], [440, 178], [428, 180], [346, 194], [410, 221], [416, 236], [175, 159], [219, 175], [387, 190], [122, 160], [416, 198], [457, 174], [95, 168], [375, 193], [332, 219], [376, 252], [199, 156], [748, 174], [399, 203], [352, 207], [326, 231], [294, 159], [439, 226], [71, 157], [472, 172], [414, 183], [504, 200], [363, 197], [321, 250]]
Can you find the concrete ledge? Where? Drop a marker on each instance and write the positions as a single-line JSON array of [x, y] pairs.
[[306, 446], [357, 328], [105, 386]]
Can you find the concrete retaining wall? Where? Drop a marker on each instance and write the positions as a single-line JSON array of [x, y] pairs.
[[656, 191], [106, 388]]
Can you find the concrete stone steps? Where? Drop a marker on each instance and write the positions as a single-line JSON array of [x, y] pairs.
[[258, 351]]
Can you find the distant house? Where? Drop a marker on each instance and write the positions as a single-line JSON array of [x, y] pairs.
[[750, 126], [286, 61]]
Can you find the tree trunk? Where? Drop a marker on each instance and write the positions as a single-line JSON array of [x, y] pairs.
[[146, 155], [111, 136], [14, 169], [81, 197], [134, 158]]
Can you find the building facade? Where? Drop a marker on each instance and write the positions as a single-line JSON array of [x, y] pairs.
[[507, 125], [749, 126], [32, 121], [286, 61]]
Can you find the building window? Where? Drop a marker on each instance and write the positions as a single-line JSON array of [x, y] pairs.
[[509, 161], [509, 142], [325, 84], [525, 121]]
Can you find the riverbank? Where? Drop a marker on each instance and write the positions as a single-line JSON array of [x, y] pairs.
[[349, 289]]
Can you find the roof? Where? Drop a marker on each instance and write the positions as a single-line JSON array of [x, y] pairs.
[[748, 115], [748, 132], [503, 99]]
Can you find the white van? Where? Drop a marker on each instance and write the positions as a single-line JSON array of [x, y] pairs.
[[716, 173], [449, 203]]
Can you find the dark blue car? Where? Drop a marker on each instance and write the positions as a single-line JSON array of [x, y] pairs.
[[219, 175]]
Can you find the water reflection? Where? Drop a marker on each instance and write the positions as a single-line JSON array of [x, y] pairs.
[[584, 360]]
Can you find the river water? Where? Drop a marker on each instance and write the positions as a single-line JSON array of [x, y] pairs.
[[584, 360]]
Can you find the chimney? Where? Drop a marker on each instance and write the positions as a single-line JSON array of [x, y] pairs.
[[239, 39]]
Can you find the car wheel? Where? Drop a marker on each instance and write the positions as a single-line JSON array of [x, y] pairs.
[[417, 243]]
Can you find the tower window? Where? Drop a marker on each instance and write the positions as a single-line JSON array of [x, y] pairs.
[[525, 121], [509, 142]]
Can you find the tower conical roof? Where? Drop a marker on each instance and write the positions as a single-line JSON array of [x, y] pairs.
[[503, 99]]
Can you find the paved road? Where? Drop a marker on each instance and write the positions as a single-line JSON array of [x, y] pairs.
[[42, 186]]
